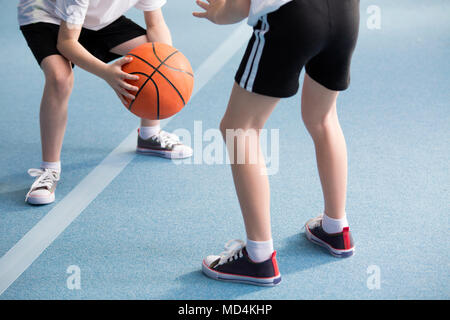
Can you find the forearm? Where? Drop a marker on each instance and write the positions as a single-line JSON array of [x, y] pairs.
[[112, 73], [76, 53], [159, 33], [157, 30]]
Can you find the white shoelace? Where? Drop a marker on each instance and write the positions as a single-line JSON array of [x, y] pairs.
[[233, 250], [314, 221], [166, 139], [46, 178]]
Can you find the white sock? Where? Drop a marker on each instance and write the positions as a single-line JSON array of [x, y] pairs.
[[147, 132], [259, 251], [331, 225], [51, 165]]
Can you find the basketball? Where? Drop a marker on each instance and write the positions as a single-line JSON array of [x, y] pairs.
[[165, 80]]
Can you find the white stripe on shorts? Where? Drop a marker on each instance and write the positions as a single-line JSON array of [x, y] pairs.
[[265, 28], [257, 49]]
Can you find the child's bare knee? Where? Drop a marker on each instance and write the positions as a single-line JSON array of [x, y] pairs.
[[224, 125], [234, 123], [319, 125], [228, 123], [60, 82]]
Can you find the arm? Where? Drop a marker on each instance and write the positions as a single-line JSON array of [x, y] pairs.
[[157, 30], [224, 11], [69, 46]]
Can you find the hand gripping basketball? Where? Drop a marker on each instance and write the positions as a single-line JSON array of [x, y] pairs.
[[166, 81]]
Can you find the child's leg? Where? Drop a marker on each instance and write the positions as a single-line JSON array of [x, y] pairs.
[[53, 114], [53, 118], [331, 229], [245, 111], [321, 120], [253, 262]]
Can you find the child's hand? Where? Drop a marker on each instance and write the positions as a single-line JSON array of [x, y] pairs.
[[223, 11], [115, 77], [213, 10]]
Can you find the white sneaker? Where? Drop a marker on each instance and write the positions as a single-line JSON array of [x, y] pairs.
[[42, 190]]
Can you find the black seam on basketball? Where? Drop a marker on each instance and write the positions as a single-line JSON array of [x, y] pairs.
[[143, 85], [175, 69], [137, 93], [142, 73], [157, 70], [157, 98]]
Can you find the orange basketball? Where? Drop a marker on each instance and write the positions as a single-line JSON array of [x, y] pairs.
[[165, 80]]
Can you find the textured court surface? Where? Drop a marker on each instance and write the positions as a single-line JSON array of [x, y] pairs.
[[145, 235]]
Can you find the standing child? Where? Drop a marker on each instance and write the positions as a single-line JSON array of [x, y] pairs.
[[288, 35], [87, 33]]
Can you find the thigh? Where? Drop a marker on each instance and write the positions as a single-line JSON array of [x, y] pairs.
[[123, 48], [110, 42], [282, 42], [41, 38], [318, 102], [248, 110]]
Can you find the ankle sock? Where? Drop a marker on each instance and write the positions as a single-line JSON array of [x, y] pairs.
[[331, 225], [147, 132], [259, 251], [51, 165]]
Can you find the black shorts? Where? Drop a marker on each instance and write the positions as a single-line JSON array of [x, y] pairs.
[[318, 34], [42, 38]]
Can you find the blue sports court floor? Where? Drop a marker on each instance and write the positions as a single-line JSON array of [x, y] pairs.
[[138, 227]]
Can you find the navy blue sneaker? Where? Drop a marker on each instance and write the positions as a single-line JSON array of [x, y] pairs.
[[234, 265], [338, 244]]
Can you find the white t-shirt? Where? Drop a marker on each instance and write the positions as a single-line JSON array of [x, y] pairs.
[[258, 8], [92, 14]]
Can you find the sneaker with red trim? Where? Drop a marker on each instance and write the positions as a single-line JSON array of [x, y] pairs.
[[234, 265], [338, 244]]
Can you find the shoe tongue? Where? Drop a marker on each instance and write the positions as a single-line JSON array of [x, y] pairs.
[[214, 263], [42, 188]]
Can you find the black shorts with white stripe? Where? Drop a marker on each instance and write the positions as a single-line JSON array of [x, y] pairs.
[[319, 35]]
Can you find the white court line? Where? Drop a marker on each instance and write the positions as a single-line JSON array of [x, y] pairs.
[[35, 241]]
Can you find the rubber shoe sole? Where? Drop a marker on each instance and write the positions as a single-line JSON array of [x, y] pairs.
[[216, 275], [41, 200], [163, 154]]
